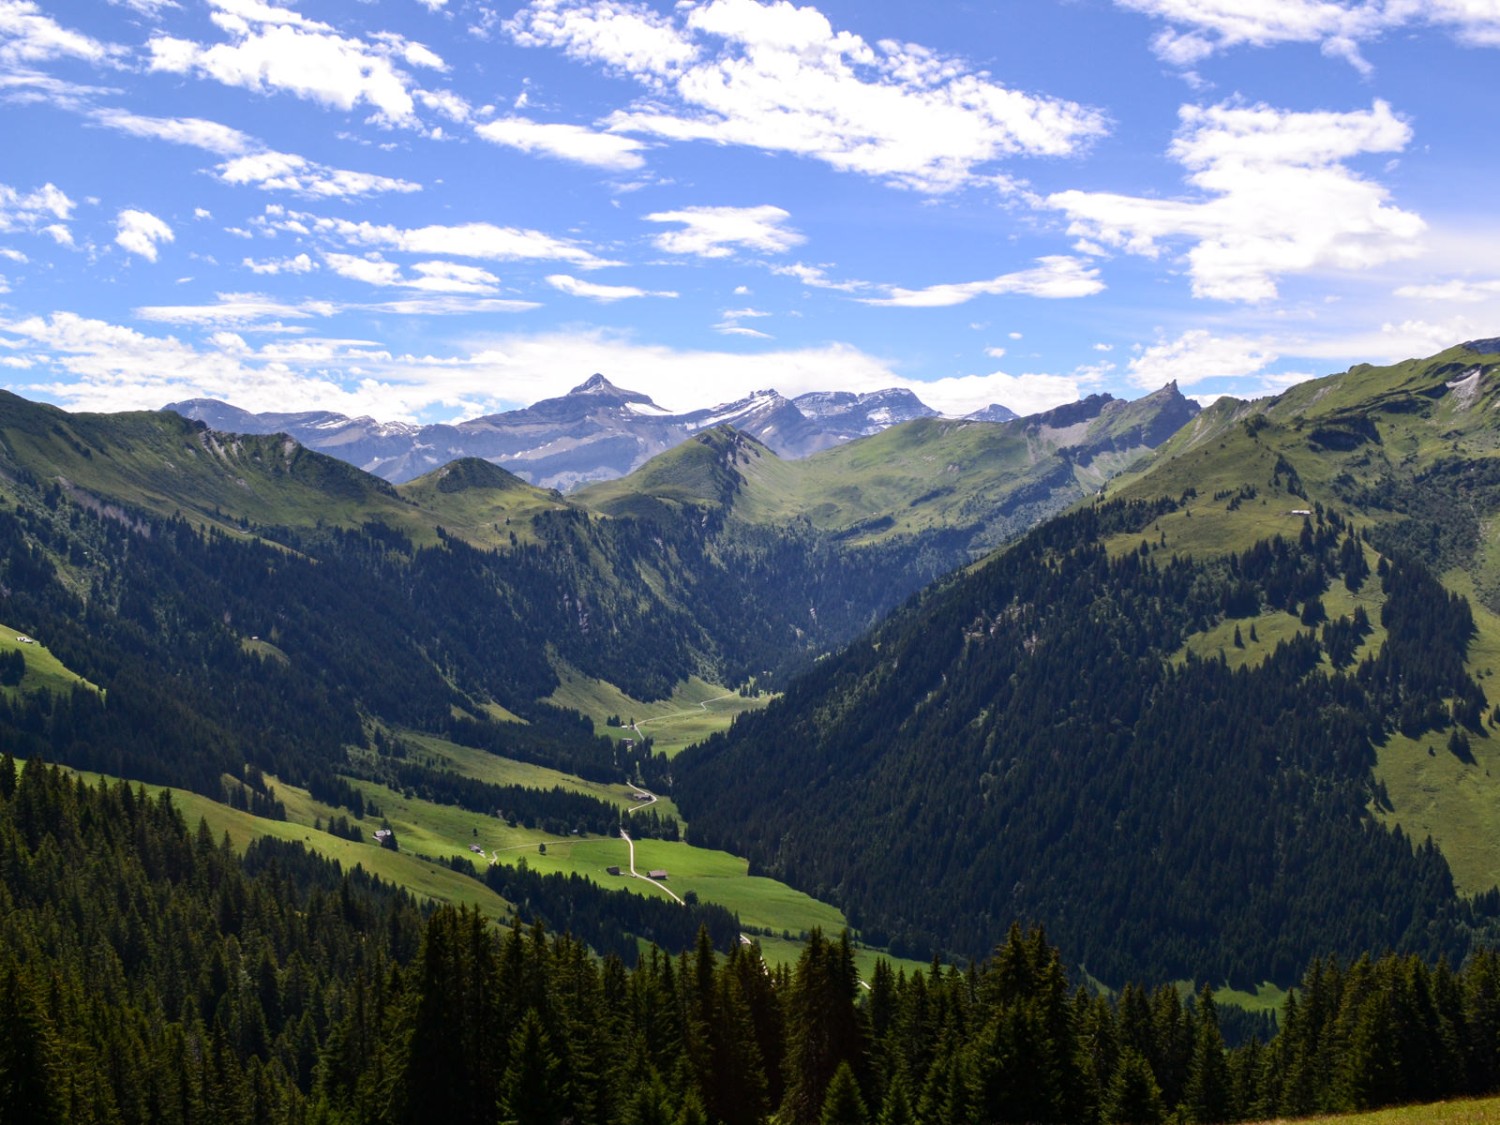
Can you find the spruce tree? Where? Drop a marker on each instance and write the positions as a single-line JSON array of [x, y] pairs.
[[1133, 1098], [843, 1104]]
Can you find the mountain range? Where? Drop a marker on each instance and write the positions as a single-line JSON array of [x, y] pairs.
[[597, 431], [1204, 692]]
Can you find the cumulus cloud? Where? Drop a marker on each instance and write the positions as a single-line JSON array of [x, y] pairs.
[[29, 211], [1055, 276], [272, 49], [780, 78], [1198, 355], [574, 143], [575, 287], [715, 232], [141, 232], [1275, 196]]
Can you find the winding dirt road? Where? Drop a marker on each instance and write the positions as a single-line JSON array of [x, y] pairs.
[[634, 874]]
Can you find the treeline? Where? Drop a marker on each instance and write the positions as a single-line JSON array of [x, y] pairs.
[[610, 921], [1033, 740], [149, 975]]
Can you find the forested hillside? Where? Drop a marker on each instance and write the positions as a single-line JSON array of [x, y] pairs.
[[147, 975], [1022, 744]]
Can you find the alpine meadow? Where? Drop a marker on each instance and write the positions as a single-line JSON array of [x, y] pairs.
[[749, 562]]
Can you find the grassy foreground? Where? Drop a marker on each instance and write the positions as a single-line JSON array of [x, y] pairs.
[[1480, 1111]]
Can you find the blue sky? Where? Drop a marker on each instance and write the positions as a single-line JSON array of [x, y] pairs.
[[433, 209]]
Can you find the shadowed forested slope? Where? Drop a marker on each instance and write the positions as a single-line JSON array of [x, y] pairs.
[[1022, 744]]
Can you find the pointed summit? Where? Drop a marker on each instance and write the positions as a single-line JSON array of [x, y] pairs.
[[597, 384]]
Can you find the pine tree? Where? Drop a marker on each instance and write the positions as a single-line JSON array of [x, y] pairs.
[[1206, 1096], [1133, 1097], [534, 1088], [28, 1056], [843, 1104]]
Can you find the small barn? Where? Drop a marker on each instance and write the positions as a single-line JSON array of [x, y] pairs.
[[659, 874], [612, 869]]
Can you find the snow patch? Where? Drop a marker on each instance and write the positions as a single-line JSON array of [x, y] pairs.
[[1466, 389]]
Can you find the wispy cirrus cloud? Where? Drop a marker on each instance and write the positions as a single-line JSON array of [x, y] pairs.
[[574, 143], [1053, 277], [1197, 29], [251, 162], [575, 287], [780, 78], [1275, 196], [28, 35], [433, 277], [477, 240]]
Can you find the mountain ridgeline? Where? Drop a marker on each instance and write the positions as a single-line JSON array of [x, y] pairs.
[[596, 431]]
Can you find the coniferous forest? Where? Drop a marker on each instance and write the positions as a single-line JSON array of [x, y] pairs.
[[1033, 740], [148, 974]]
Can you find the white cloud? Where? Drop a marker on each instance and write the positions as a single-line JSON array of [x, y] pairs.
[[141, 232], [1275, 198], [244, 311], [1458, 290], [28, 36], [730, 328], [1055, 276], [779, 78], [252, 162], [29, 211], [1199, 28], [153, 8], [276, 49], [483, 241], [451, 277], [1025, 394], [300, 264], [284, 171], [575, 287], [995, 353], [433, 5], [566, 142], [1199, 355], [432, 277], [816, 277], [447, 103], [195, 131], [373, 270], [714, 232]]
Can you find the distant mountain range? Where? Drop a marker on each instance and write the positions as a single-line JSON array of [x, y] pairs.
[[597, 431]]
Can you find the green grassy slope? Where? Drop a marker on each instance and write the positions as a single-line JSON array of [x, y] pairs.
[[44, 671], [1409, 451], [989, 480]]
